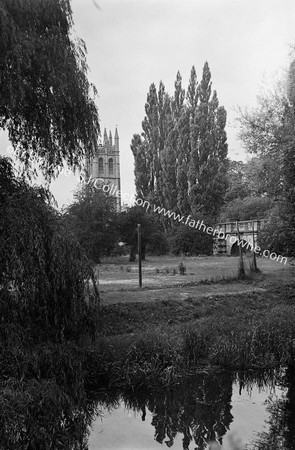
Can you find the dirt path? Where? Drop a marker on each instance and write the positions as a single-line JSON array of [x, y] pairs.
[[177, 293]]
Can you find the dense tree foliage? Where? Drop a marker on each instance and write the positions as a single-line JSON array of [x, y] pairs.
[[188, 241], [238, 185], [249, 208], [45, 101], [180, 157], [248, 195], [42, 269], [48, 296], [152, 236], [269, 133], [92, 220]]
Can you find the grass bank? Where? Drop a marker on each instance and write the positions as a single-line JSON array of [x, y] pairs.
[[45, 380], [142, 345]]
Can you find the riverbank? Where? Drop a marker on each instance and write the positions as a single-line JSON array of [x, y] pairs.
[[141, 344], [148, 343]]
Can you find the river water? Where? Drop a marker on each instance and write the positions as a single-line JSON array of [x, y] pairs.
[[256, 411]]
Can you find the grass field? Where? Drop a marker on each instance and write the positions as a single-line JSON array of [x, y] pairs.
[[119, 274], [178, 323]]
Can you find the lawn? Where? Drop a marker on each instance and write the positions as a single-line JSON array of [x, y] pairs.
[[161, 335], [119, 274]]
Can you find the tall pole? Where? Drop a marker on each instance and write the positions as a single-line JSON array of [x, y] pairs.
[[241, 268], [139, 253], [254, 254]]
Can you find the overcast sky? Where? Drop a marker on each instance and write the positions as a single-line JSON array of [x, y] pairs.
[[133, 43]]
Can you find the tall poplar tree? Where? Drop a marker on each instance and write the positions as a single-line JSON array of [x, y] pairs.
[[171, 154], [148, 150], [184, 145], [142, 166], [183, 148], [207, 164]]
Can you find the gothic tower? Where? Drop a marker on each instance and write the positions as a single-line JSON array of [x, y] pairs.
[[105, 165]]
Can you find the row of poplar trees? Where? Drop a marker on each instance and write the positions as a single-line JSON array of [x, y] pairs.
[[181, 154]]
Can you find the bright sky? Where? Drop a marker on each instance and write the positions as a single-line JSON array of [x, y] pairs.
[[133, 43]]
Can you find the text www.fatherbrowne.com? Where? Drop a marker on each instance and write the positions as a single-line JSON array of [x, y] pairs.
[[199, 225], [186, 220]]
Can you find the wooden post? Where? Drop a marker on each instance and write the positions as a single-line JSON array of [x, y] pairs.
[[139, 254], [254, 254], [241, 268]]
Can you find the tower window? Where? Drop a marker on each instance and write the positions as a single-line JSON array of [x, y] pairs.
[[111, 166], [100, 165]]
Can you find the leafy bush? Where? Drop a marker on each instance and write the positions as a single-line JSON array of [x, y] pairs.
[[183, 239]]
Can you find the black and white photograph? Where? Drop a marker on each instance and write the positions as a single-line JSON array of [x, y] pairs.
[[147, 224]]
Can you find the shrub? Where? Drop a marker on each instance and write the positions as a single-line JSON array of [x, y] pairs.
[[182, 268]]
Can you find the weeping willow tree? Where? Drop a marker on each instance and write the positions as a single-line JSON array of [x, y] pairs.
[[47, 300], [47, 107], [47, 103], [44, 274]]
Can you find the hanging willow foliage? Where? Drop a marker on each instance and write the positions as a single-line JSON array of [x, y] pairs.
[[46, 103], [44, 273]]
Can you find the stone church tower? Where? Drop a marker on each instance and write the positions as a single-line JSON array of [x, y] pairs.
[[105, 165]]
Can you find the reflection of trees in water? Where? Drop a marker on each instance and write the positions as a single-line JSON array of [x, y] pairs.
[[198, 408], [281, 434]]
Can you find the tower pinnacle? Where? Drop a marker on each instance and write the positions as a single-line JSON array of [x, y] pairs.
[[116, 139], [105, 137]]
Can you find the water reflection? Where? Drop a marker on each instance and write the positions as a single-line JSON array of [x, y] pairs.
[[281, 434], [199, 410]]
